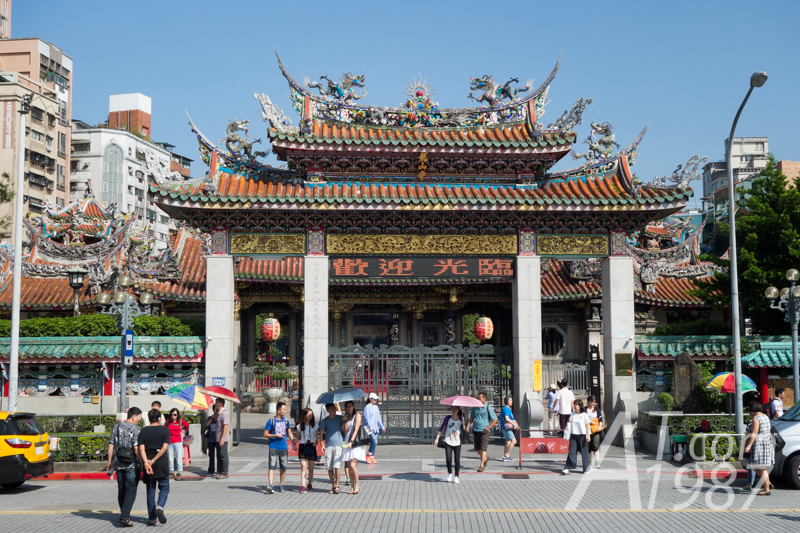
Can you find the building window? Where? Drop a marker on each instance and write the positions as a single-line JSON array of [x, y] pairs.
[[37, 114], [63, 111], [51, 120], [36, 136], [49, 142], [164, 220], [62, 142], [112, 174], [145, 131], [60, 202], [61, 176], [162, 236], [759, 147]]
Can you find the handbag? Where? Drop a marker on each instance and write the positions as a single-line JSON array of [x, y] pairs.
[[567, 432], [125, 454], [362, 438], [779, 442]]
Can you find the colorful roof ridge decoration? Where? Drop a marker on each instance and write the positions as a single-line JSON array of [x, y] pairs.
[[335, 103], [770, 354], [667, 347], [66, 350]]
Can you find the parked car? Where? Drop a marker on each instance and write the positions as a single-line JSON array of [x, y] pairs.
[[787, 460], [24, 449]]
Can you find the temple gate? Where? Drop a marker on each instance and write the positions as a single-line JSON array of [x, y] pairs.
[[393, 223]]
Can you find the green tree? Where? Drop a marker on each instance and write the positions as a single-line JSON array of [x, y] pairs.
[[468, 330], [769, 244], [704, 326]]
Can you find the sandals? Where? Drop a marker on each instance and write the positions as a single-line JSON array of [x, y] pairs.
[[336, 490], [126, 522], [356, 491]]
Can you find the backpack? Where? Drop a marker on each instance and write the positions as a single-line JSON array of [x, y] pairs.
[[125, 454], [767, 408]]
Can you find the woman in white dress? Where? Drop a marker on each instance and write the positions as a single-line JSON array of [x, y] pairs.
[[352, 454]]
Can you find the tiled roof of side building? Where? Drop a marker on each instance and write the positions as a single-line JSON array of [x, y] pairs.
[[101, 349]]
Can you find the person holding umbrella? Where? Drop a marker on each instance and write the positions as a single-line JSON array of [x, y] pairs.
[[451, 428]]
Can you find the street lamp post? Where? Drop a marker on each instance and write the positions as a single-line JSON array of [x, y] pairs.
[[124, 306], [76, 276], [788, 301], [16, 284], [756, 80]]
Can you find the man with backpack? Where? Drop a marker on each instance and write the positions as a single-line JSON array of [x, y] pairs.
[[123, 453], [276, 430], [481, 421], [776, 406]]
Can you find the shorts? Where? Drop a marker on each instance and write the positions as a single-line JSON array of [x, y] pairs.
[[508, 434], [333, 457], [481, 440], [278, 458], [594, 442]]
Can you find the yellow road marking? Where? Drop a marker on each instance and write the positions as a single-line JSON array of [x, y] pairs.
[[399, 511]]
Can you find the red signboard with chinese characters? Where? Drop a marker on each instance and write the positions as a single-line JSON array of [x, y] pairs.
[[365, 267]]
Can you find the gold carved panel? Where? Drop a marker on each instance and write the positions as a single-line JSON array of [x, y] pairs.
[[566, 245], [266, 243], [422, 244]]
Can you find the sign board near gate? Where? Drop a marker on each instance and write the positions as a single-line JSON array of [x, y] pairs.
[[429, 267], [537, 375]]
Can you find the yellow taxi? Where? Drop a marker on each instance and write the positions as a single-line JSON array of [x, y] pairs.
[[24, 449]]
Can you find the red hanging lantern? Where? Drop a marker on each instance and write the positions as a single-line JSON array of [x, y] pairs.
[[270, 329], [484, 328]]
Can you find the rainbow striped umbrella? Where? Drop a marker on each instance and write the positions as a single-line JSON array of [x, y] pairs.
[[190, 396], [725, 382]]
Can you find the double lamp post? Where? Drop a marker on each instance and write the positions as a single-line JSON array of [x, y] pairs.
[[788, 301]]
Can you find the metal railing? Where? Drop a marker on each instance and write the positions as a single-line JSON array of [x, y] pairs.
[[576, 375], [79, 448]]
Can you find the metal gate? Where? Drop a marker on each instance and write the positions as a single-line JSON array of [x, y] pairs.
[[410, 382]]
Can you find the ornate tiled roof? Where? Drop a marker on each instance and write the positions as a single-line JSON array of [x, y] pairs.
[[667, 347], [102, 349], [608, 193], [770, 355]]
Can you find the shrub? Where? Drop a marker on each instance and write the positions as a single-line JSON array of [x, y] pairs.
[[705, 326], [100, 325], [666, 400]]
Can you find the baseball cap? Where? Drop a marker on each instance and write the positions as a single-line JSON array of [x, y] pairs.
[[373, 396]]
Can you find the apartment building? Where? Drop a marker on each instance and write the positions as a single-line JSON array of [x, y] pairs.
[[5, 19], [114, 159], [43, 65], [44, 174]]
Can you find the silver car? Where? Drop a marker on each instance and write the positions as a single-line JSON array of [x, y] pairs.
[[787, 460]]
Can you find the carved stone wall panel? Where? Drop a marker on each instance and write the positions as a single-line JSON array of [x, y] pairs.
[[268, 243], [421, 244], [572, 245]]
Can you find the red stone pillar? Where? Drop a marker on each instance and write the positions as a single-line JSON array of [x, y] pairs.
[[763, 385]]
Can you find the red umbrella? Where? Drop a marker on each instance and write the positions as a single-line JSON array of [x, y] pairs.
[[221, 392]]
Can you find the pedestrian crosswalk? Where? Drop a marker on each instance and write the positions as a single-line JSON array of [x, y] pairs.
[[249, 467]]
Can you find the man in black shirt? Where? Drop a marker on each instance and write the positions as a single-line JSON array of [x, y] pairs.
[[153, 443]]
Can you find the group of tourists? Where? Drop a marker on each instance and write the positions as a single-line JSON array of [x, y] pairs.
[[154, 454]]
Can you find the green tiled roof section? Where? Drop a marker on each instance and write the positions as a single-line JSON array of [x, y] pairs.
[[102, 348], [770, 354], [696, 346]]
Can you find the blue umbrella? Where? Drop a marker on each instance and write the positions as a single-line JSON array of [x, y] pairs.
[[341, 395]]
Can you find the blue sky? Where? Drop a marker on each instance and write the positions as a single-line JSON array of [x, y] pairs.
[[683, 67]]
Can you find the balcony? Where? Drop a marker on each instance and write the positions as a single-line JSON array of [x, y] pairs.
[[81, 148], [38, 180], [62, 154]]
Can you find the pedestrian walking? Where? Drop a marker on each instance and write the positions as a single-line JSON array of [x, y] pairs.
[[372, 418], [563, 403], [177, 428], [223, 420], [155, 404], [579, 436], [211, 441], [276, 430], [596, 424], [153, 443], [481, 421], [761, 447], [776, 407], [751, 474], [306, 444], [123, 454], [552, 415], [332, 438], [508, 427], [353, 452], [450, 434], [297, 401]]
